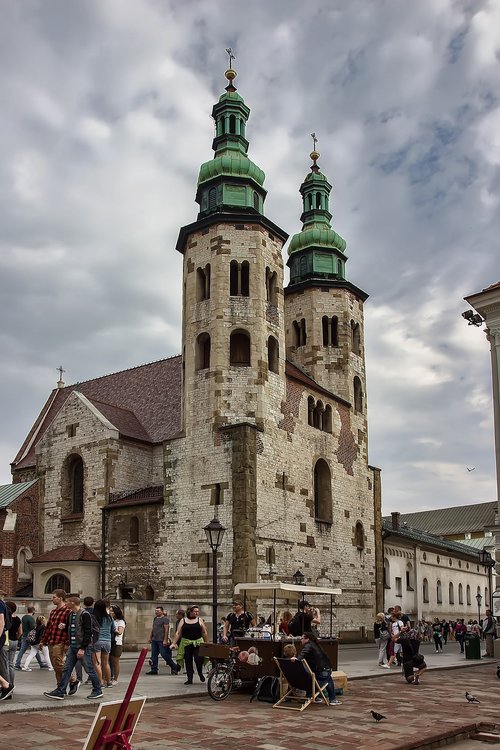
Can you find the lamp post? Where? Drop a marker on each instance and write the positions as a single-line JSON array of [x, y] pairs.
[[214, 532], [479, 599], [298, 577], [487, 561]]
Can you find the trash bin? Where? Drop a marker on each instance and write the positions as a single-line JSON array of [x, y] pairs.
[[472, 646]]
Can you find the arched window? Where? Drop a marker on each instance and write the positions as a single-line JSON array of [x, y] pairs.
[[327, 419], [439, 593], [467, 594], [309, 202], [425, 590], [239, 349], [23, 567], [245, 279], [296, 331], [239, 279], [203, 283], [212, 199], [318, 415], [271, 282], [339, 269], [359, 536], [303, 334], [133, 530], [322, 491], [356, 337], [326, 330], [318, 200], [75, 476], [310, 411], [451, 593], [273, 354], [330, 331], [358, 395], [149, 593], [57, 581], [460, 594], [410, 577], [387, 574], [232, 124], [203, 351], [256, 201]]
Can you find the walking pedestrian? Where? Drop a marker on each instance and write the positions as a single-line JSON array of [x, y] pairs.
[[37, 646], [27, 624], [159, 639], [436, 635], [460, 631], [56, 635], [116, 642], [102, 647], [191, 632], [14, 635], [382, 636]]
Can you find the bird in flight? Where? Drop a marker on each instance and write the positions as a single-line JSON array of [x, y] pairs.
[[473, 468], [471, 698], [378, 717]]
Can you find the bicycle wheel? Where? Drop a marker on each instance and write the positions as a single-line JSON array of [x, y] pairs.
[[220, 682]]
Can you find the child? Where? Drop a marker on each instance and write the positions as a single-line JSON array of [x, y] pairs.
[[35, 647]]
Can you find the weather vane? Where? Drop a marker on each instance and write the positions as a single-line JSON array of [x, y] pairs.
[[231, 56], [315, 140]]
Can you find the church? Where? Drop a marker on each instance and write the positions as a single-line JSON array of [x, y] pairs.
[[260, 421]]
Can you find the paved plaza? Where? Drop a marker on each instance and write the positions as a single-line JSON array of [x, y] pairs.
[[416, 716]]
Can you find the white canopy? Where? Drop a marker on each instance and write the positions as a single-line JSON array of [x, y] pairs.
[[274, 587]]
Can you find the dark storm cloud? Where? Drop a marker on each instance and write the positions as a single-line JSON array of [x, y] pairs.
[[106, 121]]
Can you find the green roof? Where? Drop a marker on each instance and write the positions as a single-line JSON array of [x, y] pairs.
[[236, 165], [315, 237], [431, 540], [10, 492]]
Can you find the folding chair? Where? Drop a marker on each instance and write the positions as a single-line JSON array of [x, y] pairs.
[[299, 676]]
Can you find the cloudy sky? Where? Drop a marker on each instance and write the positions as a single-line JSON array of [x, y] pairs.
[[105, 121]]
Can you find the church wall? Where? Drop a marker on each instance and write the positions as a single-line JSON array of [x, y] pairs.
[[130, 467], [19, 534]]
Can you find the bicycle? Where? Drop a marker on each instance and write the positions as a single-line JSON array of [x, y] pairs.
[[225, 677]]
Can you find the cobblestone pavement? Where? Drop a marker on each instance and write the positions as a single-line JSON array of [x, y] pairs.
[[415, 716]]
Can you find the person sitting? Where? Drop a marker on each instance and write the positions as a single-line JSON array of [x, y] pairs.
[[289, 650], [319, 664]]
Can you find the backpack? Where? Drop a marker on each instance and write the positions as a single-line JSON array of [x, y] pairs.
[[95, 628], [31, 637], [267, 689], [7, 618]]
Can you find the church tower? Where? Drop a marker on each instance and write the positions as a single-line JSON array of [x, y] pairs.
[[233, 311], [324, 311]]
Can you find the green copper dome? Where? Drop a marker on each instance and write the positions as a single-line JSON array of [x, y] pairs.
[[317, 252], [230, 181]]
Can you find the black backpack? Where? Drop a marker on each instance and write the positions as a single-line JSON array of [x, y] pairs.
[[267, 689], [95, 628]]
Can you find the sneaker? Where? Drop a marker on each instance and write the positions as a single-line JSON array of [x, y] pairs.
[[95, 694], [73, 688], [385, 666], [17, 668], [113, 683], [416, 681], [26, 669], [109, 685], [6, 692], [55, 695], [335, 703], [151, 673]]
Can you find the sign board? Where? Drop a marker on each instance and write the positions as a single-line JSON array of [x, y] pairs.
[[107, 715]]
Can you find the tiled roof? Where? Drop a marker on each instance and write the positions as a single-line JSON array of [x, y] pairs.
[[151, 394], [296, 373], [138, 497], [461, 519], [421, 537], [71, 553], [480, 543], [10, 492], [124, 420]]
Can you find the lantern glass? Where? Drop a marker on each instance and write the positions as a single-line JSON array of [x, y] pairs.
[[215, 533]]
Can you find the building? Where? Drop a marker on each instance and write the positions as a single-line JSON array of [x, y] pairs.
[[19, 538], [430, 576], [261, 420], [487, 307]]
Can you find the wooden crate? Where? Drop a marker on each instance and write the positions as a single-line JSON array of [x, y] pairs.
[[214, 650], [340, 680]]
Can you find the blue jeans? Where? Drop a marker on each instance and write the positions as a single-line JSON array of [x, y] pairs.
[[25, 646], [70, 663], [325, 676], [157, 648]]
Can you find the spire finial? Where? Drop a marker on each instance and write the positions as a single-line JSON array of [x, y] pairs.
[[60, 382], [230, 73], [314, 154]]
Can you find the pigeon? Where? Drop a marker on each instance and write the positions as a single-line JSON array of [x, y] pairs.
[[473, 468], [471, 698], [498, 673], [378, 717]]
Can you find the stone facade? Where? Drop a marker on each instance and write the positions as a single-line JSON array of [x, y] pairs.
[[250, 424], [19, 538]]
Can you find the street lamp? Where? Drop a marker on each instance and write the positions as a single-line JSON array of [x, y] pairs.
[[479, 599], [486, 559], [214, 532], [298, 577]]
